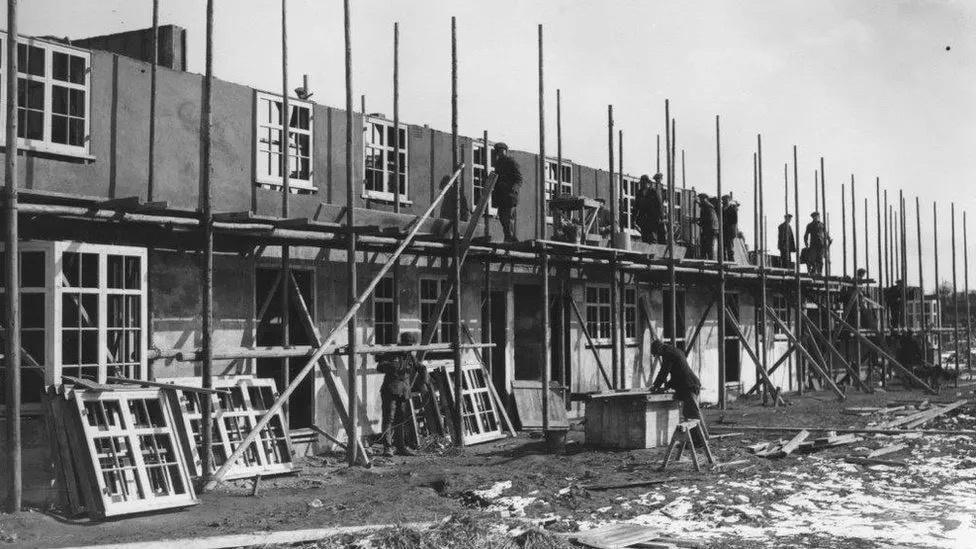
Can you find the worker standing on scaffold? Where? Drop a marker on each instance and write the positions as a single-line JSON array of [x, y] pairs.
[[505, 194]]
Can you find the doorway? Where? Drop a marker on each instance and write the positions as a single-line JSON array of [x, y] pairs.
[[300, 407], [733, 354], [498, 315], [528, 331]]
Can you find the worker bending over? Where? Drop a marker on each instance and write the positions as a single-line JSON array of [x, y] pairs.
[[505, 194], [675, 373], [401, 373]]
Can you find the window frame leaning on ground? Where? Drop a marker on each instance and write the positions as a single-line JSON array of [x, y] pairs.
[[76, 80], [385, 148], [264, 142], [103, 298]]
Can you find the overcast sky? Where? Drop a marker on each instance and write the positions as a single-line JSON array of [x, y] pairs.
[[880, 88]]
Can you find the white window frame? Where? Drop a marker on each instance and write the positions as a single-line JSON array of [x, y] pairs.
[[386, 195], [565, 187], [780, 305], [476, 182], [261, 102], [45, 144], [598, 335], [55, 287], [631, 307], [377, 321], [446, 319], [628, 193]]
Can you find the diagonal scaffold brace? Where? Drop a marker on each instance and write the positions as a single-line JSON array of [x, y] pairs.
[[327, 342], [802, 350]]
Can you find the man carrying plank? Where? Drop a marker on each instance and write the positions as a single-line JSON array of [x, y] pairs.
[[675, 373]]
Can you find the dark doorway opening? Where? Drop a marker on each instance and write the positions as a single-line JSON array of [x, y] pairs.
[[499, 309], [528, 332], [300, 408]]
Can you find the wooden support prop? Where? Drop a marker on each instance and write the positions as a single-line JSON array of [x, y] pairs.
[[328, 340], [779, 361], [145, 383], [464, 247], [734, 322], [883, 354], [590, 343], [815, 332], [331, 438], [799, 347], [690, 342]]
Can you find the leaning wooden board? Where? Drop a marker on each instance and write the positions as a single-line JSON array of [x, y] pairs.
[[528, 404]]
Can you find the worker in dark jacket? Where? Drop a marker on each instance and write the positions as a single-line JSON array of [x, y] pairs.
[[675, 373], [708, 221], [649, 209], [815, 240], [505, 194], [401, 373], [730, 222], [786, 242]]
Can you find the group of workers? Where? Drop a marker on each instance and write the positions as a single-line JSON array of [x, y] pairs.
[[815, 243]]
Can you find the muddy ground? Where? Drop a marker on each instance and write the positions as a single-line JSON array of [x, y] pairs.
[[804, 500]]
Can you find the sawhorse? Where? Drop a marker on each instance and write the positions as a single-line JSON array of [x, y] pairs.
[[684, 436]]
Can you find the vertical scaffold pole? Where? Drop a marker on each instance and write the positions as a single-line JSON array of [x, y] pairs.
[[621, 275], [969, 318], [903, 224], [764, 353], [857, 285], [456, 250], [541, 232], [722, 397], [938, 282], [922, 317], [955, 293], [881, 259], [285, 191], [673, 310], [614, 356], [352, 429], [561, 299], [828, 261], [206, 369], [12, 280], [800, 375], [396, 177]]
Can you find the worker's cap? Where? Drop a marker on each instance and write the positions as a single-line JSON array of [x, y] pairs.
[[657, 177], [657, 346], [702, 196], [500, 146], [408, 338], [644, 179], [788, 216], [815, 215]]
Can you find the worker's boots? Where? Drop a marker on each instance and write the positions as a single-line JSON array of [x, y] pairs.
[[387, 451], [404, 451]]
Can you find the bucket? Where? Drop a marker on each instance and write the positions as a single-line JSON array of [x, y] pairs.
[[622, 241]]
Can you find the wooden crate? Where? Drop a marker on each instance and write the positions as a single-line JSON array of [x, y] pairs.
[[631, 420]]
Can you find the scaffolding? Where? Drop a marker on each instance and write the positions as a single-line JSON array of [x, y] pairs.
[[814, 345]]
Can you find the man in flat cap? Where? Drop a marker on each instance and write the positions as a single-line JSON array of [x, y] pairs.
[[730, 228], [649, 209], [401, 373], [816, 240], [505, 195], [708, 221], [786, 243]]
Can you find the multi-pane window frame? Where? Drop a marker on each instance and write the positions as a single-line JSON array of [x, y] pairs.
[[781, 306], [267, 158], [385, 150], [56, 289], [384, 313], [628, 194], [632, 324], [103, 292], [564, 183], [480, 172], [428, 301], [599, 323], [48, 82], [31, 404]]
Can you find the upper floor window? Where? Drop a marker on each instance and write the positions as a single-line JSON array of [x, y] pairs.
[[53, 86], [628, 187], [482, 165], [431, 290], [598, 322], [380, 162], [558, 181], [384, 313], [631, 323], [268, 142]]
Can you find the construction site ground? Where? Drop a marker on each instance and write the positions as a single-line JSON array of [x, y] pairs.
[[805, 499]]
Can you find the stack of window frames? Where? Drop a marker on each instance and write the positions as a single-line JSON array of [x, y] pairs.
[[119, 452], [236, 410]]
